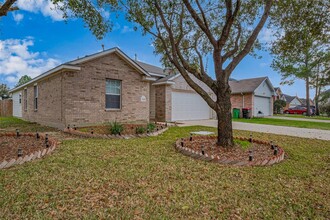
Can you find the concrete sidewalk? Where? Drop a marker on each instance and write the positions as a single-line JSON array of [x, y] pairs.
[[281, 130], [299, 119]]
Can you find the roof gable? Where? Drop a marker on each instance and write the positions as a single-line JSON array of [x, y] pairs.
[[110, 51], [246, 85]]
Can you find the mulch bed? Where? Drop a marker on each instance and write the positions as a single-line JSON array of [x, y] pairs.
[[260, 152], [9, 146], [129, 129]]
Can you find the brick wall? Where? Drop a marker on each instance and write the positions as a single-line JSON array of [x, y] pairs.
[[84, 96], [237, 101], [163, 102], [50, 106]]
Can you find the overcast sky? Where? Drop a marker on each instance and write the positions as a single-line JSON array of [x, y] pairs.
[[36, 39]]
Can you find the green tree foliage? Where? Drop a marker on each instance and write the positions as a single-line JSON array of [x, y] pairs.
[[24, 79], [303, 43], [4, 91], [279, 105]]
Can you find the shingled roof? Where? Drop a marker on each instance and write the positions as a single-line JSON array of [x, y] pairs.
[[288, 98], [245, 85], [151, 69]]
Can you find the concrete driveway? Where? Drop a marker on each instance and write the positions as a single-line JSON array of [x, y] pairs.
[[282, 130]]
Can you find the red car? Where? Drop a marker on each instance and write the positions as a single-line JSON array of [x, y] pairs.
[[296, 110]]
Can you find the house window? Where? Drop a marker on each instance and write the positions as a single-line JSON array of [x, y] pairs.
[[35, 89], [113, 94], [20, 98], [25, 99]]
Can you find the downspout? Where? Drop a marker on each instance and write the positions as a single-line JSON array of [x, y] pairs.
[[242, 99], [242, 103]]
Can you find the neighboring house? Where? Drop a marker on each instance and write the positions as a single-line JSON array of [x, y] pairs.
[[256, 94], [304, 103], [291, 101], [110, 86], [278, 94]]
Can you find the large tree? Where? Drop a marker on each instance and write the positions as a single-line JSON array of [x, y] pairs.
[[302, 28], [24, 79], [4, 91], [320, 78], [186, 32]]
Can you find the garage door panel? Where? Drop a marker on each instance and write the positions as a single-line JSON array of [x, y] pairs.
[[262, 104], [189, 106]]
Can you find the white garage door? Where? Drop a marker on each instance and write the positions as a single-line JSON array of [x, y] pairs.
[[262, 104], [189, 106]]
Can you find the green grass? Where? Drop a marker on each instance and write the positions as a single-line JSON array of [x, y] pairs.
[[283, 122], [147, 178], [303, 116], [243, 144], [12, 123]]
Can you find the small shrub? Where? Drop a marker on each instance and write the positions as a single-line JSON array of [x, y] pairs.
[[325, 109], [116, 128], [243, 144], [151, 127], [140, 130]]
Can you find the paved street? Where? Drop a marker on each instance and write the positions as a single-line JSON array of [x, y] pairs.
[[282, 130]]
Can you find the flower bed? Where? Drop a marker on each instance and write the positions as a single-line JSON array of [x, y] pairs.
[[258, 153], [129, 131], [23, 148]]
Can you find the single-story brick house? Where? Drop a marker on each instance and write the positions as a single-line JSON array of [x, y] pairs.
[[291, 101], [110, 86], [255, 93]]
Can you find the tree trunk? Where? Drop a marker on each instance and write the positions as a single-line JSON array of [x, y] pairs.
[[307, 97], [225, 131], [317, 111]]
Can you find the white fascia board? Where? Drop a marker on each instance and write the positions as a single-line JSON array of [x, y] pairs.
[[146, 78], [54, 70], [163, 83], [157, 74]]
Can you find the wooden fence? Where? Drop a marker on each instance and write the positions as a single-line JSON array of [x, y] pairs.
[[6, 108]]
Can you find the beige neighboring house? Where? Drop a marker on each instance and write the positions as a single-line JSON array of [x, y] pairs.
[[291, 101], [109, 86]]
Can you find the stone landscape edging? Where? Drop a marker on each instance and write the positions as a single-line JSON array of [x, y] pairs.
[[36, 155], [110, 136], [228, 161]]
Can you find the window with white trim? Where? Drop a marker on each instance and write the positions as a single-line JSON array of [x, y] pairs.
[[113, 94], [35, 89], [20, 98]]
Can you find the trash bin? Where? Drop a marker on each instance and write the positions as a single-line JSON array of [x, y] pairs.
[[246, 112], [236, 112]]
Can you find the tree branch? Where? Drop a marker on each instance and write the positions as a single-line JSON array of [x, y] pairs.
[[250, 40], [200, 23], [176, 55], [6, 7], [230, 18], [235, 49]]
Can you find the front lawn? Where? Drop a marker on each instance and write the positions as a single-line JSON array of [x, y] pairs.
[[12, 123], [283, 122], [303, 116], [146, 178]]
